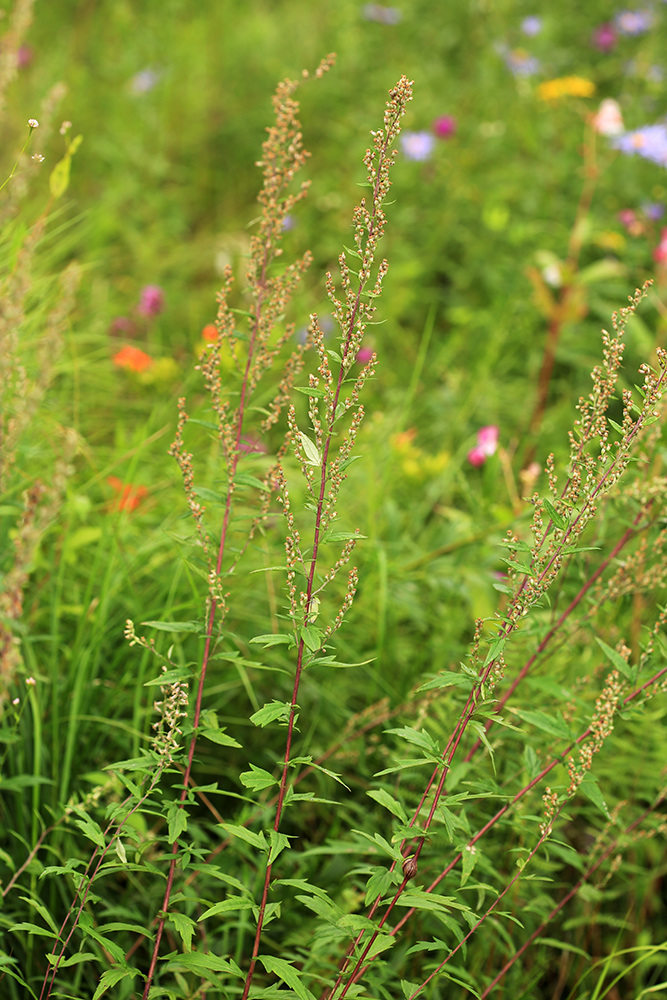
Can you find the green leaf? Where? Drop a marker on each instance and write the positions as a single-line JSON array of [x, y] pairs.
[[312, 454], [257, 778], [279, 841], [218, 736], [92, 831], [617, 660], [279, 967], [311, 391], [590, 788], [59, 177], [177, 818], [552, 724], [272, 639], [389, 802], [245, 479], [312, 637], [447, 678], [496, 646], [257, 840], [185, 926], [342, 536], [200, 963], [469, 856], [175, 626], [270, 712], [111, 978], [169, 677], [230, 905], [557, 518], [209, 496], [419, 738], [379, 883]]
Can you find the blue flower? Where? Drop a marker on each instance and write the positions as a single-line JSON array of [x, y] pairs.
[[417, 145], [649, 142], [531, 26], [633, 22]]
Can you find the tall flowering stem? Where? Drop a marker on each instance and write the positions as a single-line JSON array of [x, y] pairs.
[[596, 464], [283, 156], [323, 473]]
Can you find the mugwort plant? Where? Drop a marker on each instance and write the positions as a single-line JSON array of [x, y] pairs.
[[230, 858]]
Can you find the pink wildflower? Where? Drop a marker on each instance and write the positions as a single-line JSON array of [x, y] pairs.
[[24, 56], [487, 443], [152, 301], [604, 38], [364, 355], [660, 252]]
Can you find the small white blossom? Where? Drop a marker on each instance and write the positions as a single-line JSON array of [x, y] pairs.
[[33, 123], [37, 157], [31, 682]]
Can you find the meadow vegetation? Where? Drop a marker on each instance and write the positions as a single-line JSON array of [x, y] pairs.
[[333, 545]]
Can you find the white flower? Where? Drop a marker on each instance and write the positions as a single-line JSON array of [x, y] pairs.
[[33, 123], [608, 120]]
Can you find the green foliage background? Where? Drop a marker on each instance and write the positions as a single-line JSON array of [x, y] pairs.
[[163, 192]]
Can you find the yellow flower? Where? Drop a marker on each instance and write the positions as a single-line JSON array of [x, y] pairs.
[[565, 86]]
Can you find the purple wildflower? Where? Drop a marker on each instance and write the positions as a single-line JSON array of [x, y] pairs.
[[444, 126], [605, 37], [531, 26], [653, 210], [383, 15], [649, 142], [519, 62], [417, 145], [152, 301], [289, 222], [144, 81], [633, 22]]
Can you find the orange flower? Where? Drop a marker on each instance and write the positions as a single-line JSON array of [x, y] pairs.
[[127, 496], [210, 333], [133, 358]]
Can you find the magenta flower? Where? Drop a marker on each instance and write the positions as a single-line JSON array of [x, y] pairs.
[[444, 126], [364, 355], [417, 145], [487, 444], [605, 38], [476, 457], [152, 301]]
